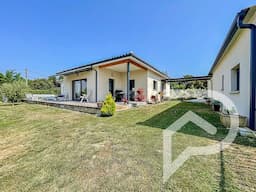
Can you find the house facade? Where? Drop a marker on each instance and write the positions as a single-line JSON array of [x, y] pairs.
[[233, 72], [123, 74]]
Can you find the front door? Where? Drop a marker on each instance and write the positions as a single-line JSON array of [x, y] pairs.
[[111, 86]]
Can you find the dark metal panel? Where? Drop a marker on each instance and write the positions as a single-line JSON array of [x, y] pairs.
[[189, 79], [128, 81]]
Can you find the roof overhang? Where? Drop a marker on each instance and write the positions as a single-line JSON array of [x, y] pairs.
[[121, 66], [114, 62], [232, 36], [72, 71]]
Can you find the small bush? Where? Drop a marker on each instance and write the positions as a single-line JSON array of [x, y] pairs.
[[109, 106], [14, 92]]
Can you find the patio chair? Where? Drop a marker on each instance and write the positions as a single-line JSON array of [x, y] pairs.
[[83, 98]]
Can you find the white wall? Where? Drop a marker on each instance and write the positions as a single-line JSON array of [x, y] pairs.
[[143, 79], [120, 78], [167, 90], [103, 86], [238, 53], [153, 77], [67, 84]]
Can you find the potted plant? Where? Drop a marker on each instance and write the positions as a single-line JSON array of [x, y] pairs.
[[99, 104], [125, 100], [153, 98], [216, 105], [140, 95], [208, 101]]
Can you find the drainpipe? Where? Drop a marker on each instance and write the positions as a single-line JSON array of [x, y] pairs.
[[96, 85], [252, 28], [128, 82]]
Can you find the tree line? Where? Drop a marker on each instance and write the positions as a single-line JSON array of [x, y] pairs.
[[197, 84], [13, 86]]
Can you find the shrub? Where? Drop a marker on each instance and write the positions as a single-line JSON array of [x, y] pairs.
[[109, 106], [14, 92], [42, 84]]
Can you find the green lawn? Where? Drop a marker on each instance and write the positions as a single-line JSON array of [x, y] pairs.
[[49, 149]]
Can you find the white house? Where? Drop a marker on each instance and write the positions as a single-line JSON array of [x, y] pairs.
[[123, 74], [234, 70]]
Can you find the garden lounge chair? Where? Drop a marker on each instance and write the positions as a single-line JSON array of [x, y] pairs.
[[84, 98]]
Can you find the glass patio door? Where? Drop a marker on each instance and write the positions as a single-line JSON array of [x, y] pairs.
[[79, 88]]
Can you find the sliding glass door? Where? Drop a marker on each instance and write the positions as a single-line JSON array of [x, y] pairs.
[[79, 87]]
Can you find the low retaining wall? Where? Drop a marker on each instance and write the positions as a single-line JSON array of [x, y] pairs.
[[80, 108]]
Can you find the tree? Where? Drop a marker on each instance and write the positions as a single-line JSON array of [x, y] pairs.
[[187, 76], [2, 78], [176, 85], [14, 92], [10, 76], [197, 84], [41, 84], [55, 80]]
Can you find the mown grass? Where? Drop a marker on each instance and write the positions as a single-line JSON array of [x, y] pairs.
[[48, 149]]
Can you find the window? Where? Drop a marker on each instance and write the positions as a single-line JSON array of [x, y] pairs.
[[238, 79], [132, 84], [222, 83], [235, 78], [154, 85]]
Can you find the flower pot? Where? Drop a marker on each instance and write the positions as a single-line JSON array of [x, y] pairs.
[[208, 101], [216, 108], [226, 120], [99, 104]]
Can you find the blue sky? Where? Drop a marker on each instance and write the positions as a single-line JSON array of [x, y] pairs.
[[178, 36]]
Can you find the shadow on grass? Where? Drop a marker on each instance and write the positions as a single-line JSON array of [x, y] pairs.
[[164, 119], [222, 182], [9, 104]]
